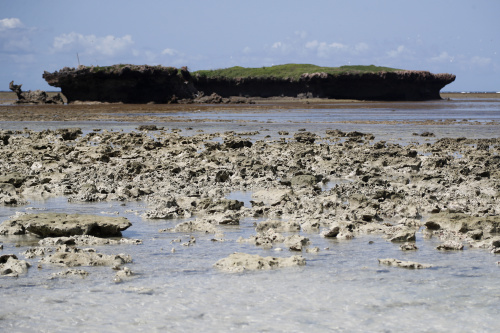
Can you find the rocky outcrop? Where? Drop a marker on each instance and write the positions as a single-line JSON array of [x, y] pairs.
[[239, 262], [144, 84], [11, 266], [400, 85], [123, 83], [34, 97], [60, 224], [71, 257]]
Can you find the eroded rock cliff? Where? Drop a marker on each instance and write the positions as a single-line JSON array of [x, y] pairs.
[[400, 85], [144, 84], [123, 83]]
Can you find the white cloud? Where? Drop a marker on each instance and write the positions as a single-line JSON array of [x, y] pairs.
[[442, 57], [395, 53], [10, 23], [247, 50], [91, 44], [325, 50], [170, 52], [14, 36], [277, 45], [480, 61], [312, 44], [361, 47]]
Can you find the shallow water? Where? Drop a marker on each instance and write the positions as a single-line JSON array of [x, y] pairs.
[[342, 288]]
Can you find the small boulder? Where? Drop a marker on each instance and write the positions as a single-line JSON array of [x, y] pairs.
[[450, 245], [239, 262], [403, 264]]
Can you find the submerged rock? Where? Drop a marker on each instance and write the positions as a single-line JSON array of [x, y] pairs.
[[70, 273], [403, 264], [239, 262]]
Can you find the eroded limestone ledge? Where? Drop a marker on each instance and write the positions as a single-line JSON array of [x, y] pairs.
[[239, 262], [61, 224]]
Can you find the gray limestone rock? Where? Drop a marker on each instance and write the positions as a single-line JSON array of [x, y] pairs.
[[403, 264], [240, 262], [11, 266], [60, 224], [71, 256]]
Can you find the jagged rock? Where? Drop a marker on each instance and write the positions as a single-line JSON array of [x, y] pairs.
[[272, 197], [86, 240], [36, 252], [403, 264], [464, 223], [296, 242], [60, 224], [68, 134], [9, 196], [197, 225], [266, 239], [305, 137], [402, 235], [69, 273], [237, 143], [408, 247], [310, 226], [339, 231], [239, 262], [304, 180], [34, 97], [70, 256], [450, 245], [11, 266], [278, 225], [123, 273]]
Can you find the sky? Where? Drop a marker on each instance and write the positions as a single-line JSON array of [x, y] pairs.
[[461, 37]]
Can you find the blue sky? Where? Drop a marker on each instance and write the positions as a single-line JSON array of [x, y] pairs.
[[441, 36]]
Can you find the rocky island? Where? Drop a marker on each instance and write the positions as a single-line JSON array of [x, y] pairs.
[[158, 84]]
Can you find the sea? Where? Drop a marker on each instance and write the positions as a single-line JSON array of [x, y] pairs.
[[342, 288]]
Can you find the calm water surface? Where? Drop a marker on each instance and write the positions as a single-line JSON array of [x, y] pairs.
[[342, 288]]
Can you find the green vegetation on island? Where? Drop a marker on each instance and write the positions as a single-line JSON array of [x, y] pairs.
[[293, 71], [287, 71]]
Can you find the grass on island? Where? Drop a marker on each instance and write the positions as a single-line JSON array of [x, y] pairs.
[[293, 71]]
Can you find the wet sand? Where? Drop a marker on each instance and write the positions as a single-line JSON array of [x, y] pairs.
[[90, 111]]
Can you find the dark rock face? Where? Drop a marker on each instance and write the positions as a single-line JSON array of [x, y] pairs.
[[126, 84], [143, 84], [390, 86], [34, 97]]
